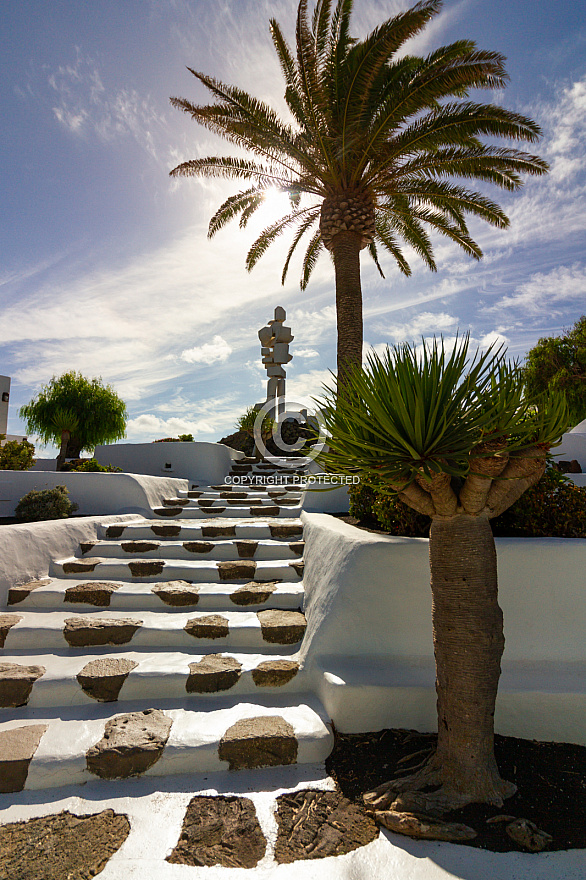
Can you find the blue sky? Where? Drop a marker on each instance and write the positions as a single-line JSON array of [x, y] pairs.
[[105, 264]]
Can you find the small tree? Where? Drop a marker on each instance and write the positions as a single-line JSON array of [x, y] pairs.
[[559, 363], [15, 455], [459, 442], [75, 413]]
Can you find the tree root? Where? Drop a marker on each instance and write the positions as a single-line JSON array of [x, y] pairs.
[[428, 791]]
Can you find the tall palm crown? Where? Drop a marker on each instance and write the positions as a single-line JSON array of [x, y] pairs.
[[372, 149]]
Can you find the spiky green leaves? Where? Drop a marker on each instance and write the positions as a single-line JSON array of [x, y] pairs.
[[415, 413]]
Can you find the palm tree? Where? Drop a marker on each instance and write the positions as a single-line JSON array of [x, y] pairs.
[[371, 151], [460, 442]]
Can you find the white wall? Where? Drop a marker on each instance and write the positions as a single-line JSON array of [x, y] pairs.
[[26, 550], [205, 463], [369, 648], [94, 493], [573, 445]]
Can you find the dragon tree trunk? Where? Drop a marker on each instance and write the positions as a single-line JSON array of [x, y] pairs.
[[468, 644]]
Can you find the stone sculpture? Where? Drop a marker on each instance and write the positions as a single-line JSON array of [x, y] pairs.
[[274, 340]]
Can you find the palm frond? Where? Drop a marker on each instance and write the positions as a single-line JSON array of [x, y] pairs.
[[305, 224], [268, 236], [233, 206], [311, 256]]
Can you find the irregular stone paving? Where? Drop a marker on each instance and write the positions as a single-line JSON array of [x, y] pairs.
[[260, 563], [61, 846], [221, 830], [317, 824]]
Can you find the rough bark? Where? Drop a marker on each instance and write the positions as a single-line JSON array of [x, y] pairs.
[[468, 643], [521, 472], [345, 249]]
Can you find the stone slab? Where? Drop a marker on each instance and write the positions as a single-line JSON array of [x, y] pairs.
[[274, 673], [209, 626], [131, 744], [177, 593], [102, 679], [253, 593], [82, 632], [213, 673], [17, 747], [96, 593], [263, 741], [20, 592], [7, 621], [16, 683], [282, 627]]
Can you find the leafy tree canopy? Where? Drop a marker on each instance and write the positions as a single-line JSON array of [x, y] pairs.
[[16, 456], [90, 411], [558, 363]]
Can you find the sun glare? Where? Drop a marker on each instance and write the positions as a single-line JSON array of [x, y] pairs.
[[275, 204]]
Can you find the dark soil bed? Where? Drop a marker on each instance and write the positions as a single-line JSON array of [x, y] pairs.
[[551, 781]]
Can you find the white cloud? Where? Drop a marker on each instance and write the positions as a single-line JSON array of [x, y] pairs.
[[215, 352], [306, 353], [313, 325], [303, 388], [85, 105], [543, 291], [425, 324]]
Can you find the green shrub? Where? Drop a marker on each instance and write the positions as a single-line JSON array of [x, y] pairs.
[[41, 504], [92, 465], [553, 508], [362, 497], [16, 456], [182, 438]]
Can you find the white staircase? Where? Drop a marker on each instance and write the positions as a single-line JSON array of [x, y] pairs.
[[166, 646]]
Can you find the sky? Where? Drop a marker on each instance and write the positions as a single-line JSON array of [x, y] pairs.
[[106, 267]]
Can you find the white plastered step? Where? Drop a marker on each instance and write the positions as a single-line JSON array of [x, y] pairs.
[[195, 570], [192, 745], [44, 630], [138, 595], [156, 675]]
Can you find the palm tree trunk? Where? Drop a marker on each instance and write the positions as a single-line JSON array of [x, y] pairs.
[[468, 643], [345, 250]]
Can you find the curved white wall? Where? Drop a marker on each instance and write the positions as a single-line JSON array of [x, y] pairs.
[[573, 445], [369, 648], [26, 550], [206, 463], [94, 493]]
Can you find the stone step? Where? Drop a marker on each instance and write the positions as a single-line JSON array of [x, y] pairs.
[[266, 630], [227, 549], [43, 749], [228, 512], [98, 568], [44, 680], [241, 495], [171, 596], [213, 503], [213, 529]]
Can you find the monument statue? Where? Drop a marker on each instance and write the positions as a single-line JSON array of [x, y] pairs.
[[274, 340]]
